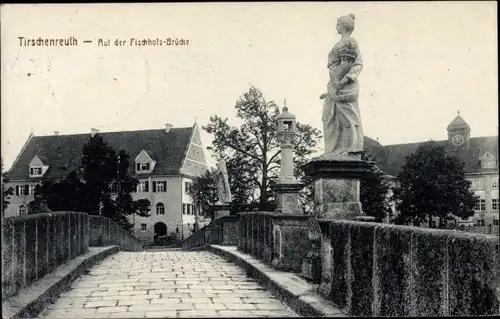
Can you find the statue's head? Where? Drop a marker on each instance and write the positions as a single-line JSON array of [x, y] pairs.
[[345, 24]]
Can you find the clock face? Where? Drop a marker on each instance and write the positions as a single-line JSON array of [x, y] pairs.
[[457, 140]]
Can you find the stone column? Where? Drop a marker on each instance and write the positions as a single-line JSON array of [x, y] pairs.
[[287, 189], [287, 198]]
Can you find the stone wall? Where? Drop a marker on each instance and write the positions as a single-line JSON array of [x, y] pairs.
[[280, 240], [222, 231], [34, 245], [386, 270], [105, 232], [200, 238], [488, 229], [227, 230]]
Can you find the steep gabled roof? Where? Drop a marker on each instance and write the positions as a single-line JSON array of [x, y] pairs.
[[59, 151]]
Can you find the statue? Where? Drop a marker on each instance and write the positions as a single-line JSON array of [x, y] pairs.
[[223, 189], [342, 128]]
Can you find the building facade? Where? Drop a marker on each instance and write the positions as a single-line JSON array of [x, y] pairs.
[[165, 161], [480, 155]]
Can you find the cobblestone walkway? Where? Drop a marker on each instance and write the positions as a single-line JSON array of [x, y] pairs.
[[166, 284]]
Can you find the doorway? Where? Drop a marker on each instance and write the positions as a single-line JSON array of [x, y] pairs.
[[160, 230]]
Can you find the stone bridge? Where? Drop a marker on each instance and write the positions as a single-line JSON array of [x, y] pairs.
[[258, 264]]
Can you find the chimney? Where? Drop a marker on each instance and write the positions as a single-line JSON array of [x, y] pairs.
[[93, 131], [56, 133], [168, 126]]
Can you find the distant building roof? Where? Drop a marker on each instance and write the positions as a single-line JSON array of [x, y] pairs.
[[390, 158], [458, 123], [64, 152]]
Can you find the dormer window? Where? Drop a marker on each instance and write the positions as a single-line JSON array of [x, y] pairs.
[[37, 168], [144, 163], [36, 171], [141, 167], [488, 161]]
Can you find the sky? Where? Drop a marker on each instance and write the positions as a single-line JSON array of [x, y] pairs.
[[423, 61]]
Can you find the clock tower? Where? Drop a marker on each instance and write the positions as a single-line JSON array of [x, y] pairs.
[[459, 133]]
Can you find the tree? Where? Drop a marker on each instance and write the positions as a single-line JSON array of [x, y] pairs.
[[433, 184], [374, 190], [253, 150], [142, 207], [204, 191], [104, 188], [6, 191]]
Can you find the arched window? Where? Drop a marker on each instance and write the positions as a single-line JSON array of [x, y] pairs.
[[160, 209], [23, 210]]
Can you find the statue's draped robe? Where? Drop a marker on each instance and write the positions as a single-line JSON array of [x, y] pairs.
[[342, 128], [224, 191]]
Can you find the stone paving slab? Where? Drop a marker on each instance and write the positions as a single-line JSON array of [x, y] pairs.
[[166, 284], [300, 295], [31, 300]]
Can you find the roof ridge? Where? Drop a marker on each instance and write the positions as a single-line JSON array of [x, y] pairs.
[[436, 141], [166, 148], [127, 131]]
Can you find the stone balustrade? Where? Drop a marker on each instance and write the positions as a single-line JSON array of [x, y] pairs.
[[227, 230], [280, 240], [374, 269], [34, 245], [199, 238], [222, 231], [105, 232]]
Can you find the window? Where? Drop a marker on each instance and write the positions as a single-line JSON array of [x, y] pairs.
[[35, 171], [187, 188], [160, 209], [480, 222], [159, 186], [140, 167], [32, 189], [494, 204], [143, 227], [494, 184], [495, 222], [23, 210], [476, 183], [177, 230], [22, 190], [143, 186], [188, 209], [480, 205], [113, 188], [488, 163]]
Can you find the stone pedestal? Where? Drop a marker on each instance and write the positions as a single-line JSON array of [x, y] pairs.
[[289, 241], [287, 197], [337, 184]]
